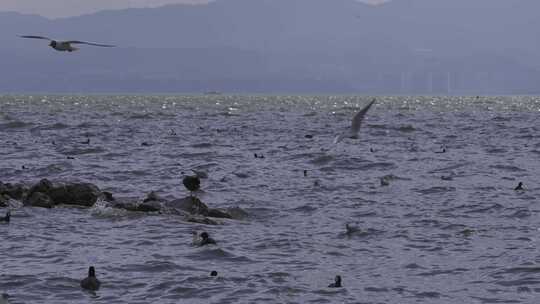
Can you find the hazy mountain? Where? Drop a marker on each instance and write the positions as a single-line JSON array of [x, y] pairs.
[[275, 46], [66, 8]]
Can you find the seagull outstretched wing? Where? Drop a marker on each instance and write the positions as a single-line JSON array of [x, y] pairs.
[[89, 43], [36, 37], [359, 117], [356, 123]]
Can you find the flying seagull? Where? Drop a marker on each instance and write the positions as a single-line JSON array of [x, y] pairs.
[[66, 46], [352, 132]]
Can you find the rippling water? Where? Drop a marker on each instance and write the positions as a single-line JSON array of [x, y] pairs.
[[448, 227]]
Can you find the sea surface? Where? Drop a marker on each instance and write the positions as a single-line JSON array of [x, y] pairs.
[[444, 228]]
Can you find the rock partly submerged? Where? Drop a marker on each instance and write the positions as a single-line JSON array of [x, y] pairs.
[[47, 194], [14, 191], [4, 200]]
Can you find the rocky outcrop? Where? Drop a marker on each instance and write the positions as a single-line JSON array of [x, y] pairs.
[[4, 200], [152, 203], [126, 203], [39, 199], [107, 196], [190, 204], [47, 194], [16, 191], [237, 213], [80, 194], [194, 206], [149, 206], [217, 213]]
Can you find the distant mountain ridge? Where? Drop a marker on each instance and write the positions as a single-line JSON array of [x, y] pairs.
[[321, 46]]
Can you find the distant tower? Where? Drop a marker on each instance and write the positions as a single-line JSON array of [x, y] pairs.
[[449, 83]]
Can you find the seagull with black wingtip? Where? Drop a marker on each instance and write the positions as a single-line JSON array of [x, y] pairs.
[[67, 45]]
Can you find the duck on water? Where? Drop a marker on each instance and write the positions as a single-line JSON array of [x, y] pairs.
[[91, 282]]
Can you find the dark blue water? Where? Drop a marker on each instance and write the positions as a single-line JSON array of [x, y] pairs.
[[448, 227]]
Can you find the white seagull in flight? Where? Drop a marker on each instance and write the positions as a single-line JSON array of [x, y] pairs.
[[66, 46], [357, 120]]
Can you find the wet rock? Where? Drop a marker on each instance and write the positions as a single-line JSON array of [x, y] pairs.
[[81, 194], [237, 213], [4, 200], [194, 206], [218, 213], [43, 186], [39, 199], [191, 205], [151, 203], [107, 196], [37, 195], [153, 197], [150, 206], [133, 204], [129, 204], [16, 191]]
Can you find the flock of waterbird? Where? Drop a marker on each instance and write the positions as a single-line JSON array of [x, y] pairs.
[[192, 183]]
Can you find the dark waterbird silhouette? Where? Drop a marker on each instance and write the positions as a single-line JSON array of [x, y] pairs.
[[213, 273], [519, 187], [91, 282], [6, 218], [192, 183], [443, 150], [206, 239], [337, 283], [350, 229]]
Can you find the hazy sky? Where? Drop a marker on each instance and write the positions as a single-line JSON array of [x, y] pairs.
[[62, 8]]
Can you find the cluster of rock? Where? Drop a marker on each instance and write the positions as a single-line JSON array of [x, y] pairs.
[[47, 194]]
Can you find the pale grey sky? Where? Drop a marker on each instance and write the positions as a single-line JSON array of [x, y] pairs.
[[63, 8]]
